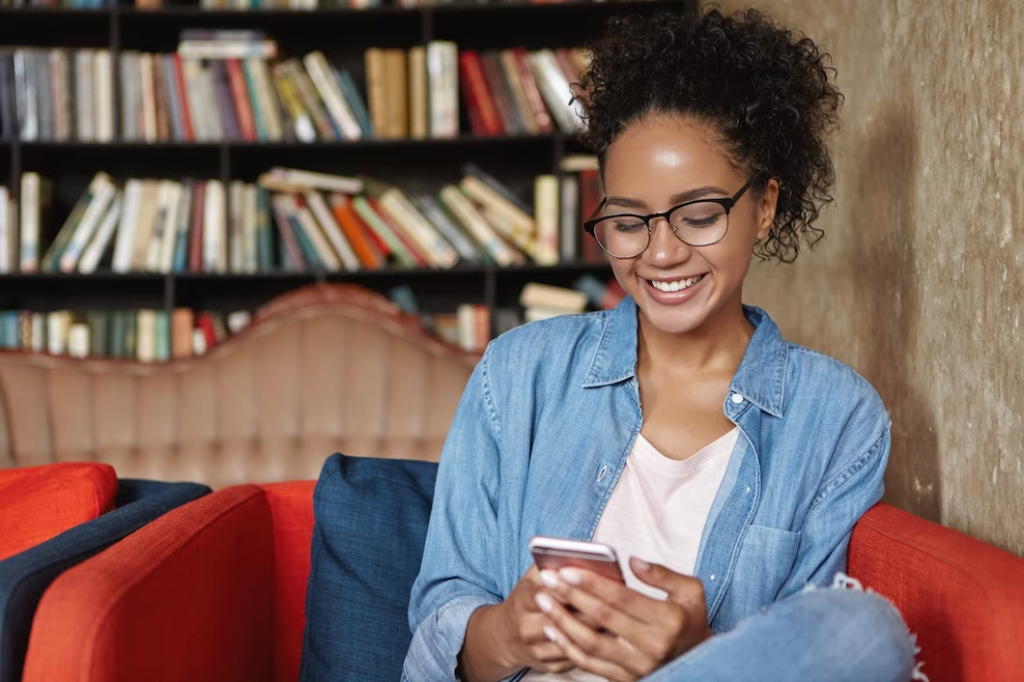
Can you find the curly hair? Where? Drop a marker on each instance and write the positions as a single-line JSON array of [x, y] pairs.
[[764, 89]]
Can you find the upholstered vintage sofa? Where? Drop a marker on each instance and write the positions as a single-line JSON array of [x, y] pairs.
[[325, 368]]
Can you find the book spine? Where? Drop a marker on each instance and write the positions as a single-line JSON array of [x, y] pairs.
[[332, 230], [508, 68], [419, 106], [293, 260], [480, 98], [499, 91], [397, 249], [570, 228], [160, 104], [182, 95], [30, 209], [376, 93], [241, 99], [365, 249], [196, 237], [214, 229], [179, 259], [149, 127], [98, 246], [264, 237], [102, 194], [173, 98], [540, 111], [326, 84], [545, 194], [355, 101]]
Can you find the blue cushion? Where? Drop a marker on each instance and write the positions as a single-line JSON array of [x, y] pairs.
[[25, 576], [370, 526]]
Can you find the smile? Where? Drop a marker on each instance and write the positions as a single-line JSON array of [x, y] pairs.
[[676, 285]]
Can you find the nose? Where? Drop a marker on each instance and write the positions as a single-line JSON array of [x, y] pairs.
[[665, 248]]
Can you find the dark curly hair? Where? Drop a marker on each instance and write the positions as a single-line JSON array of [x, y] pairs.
[[764, 89]]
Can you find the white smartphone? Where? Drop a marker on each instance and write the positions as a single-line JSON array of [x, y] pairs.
[[555, 553]]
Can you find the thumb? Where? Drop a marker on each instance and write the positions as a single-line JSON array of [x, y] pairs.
[[679, 587]]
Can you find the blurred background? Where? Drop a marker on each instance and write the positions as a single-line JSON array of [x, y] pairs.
[[238, 236]]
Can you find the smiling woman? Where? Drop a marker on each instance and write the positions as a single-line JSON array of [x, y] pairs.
[[680, 429]]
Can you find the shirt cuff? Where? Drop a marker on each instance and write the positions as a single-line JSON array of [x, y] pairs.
[[437, 642]]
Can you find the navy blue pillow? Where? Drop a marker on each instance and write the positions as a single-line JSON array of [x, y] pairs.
[[370, 526]]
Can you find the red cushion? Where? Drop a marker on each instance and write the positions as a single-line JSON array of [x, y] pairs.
[[291, 505], [188, 597], [38, 503], [963, 598]]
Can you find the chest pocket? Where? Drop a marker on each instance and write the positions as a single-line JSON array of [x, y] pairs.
[[764, 562]]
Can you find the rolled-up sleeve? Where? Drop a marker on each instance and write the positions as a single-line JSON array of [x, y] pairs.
[[460, 569]]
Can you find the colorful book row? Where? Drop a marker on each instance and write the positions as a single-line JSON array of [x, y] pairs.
[[297, 221]]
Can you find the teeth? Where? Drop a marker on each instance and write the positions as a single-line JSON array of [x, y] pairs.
[[677, 285]]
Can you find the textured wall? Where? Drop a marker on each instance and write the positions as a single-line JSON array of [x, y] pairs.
[[919, 282]]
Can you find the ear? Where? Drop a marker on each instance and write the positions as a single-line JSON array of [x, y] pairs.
[[766, 208]]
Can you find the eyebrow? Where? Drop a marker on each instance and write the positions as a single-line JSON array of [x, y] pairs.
[[674, 200]]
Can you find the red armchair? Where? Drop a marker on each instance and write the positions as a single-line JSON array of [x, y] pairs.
[[215, 590]]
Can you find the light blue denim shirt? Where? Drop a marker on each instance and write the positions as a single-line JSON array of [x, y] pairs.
[[544, 429]]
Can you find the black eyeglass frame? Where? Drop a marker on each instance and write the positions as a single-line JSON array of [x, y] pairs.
[[726, 203]]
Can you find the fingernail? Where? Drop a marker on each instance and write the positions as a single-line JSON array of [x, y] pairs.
[[550, 579], [551, 633], [570, 575], [641, 564], [543, 602]]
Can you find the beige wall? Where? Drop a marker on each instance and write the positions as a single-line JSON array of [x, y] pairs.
[[919, 282]]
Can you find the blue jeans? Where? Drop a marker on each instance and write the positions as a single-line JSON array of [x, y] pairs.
[[828, 634]]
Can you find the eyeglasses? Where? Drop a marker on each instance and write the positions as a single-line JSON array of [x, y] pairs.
[[702, 222]]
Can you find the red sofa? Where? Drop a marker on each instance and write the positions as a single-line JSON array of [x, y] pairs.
[[215, 590]]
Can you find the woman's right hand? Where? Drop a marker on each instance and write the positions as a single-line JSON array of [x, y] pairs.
[[507, 637]]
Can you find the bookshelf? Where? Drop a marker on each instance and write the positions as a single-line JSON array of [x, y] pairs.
[[343, 34]]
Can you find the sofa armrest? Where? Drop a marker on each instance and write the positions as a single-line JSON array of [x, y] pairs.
[[291, 506], [963, 598], [188, 597]]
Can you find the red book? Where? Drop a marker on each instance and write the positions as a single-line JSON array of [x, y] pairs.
[[246, 123], [590, 199], [186, 116], [195, 246], [473, 76], [209, 333], [399, 232]]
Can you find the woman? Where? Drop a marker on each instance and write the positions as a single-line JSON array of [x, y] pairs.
[[729, 465]]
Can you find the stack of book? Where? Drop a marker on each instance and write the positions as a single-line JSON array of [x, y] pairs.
[[291, 220], [518, 92], [139, 335], [57, 95]]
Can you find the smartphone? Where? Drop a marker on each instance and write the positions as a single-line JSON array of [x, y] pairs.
[[555, 553]]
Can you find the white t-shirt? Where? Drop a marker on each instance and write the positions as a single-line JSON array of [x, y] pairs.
[[657, 512]]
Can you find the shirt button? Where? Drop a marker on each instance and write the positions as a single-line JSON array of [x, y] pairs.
[[737, 398], [748, 489], [712, 576]]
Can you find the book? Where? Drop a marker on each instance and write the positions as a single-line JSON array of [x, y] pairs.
[[124, 245], [418, 105], [403, 257], [535, 295], [323, 77], [182, 323], [480, 105], [102, 191], [396, 85], [545, 195], [355, 101], [477, 226], [376, 92], [570, 225], [100, 243], [438, 252], [355, 232], [294, 180], [443, 88], [313, 232], [332, 230], [8, 232], [448, 228], [35, 199]]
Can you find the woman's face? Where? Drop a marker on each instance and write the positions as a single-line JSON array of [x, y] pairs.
[[658, 163]]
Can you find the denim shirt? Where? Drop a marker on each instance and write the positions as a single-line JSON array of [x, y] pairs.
[[544, 429]]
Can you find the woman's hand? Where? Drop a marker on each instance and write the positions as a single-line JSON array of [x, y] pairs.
[[635, 634], [508, 637]]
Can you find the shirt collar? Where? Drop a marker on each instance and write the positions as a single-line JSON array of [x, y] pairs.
[[760, 377]]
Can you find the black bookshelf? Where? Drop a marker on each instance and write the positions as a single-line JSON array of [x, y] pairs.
[[344, 34]]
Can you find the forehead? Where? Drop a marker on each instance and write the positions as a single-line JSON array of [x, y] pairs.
[[663, 155]]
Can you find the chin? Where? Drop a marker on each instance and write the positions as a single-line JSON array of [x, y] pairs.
[[672, 321]]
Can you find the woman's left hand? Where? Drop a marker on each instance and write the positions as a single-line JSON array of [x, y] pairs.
[[634, 635]]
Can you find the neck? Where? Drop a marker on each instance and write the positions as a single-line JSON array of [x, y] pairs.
[[717, 345]]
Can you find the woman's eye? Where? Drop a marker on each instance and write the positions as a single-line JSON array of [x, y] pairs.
[[701, 221], [628, 225]]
